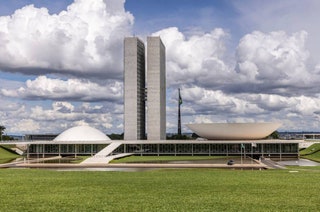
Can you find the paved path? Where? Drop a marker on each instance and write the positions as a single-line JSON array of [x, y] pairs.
[[31, 161], [272, 164], [138, 165], [101, 159]]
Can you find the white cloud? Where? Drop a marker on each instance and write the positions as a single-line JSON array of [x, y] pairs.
[[287, 15], [59, 117], [215, 106], [7, 106], [272, 62], [215, 101], [25, 126], [198, 58], [273, 58], [202, 119], [272, 76], [71, 89], [85, 39], [292, 106]]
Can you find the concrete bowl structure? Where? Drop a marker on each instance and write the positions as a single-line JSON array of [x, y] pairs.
[[233, 131]]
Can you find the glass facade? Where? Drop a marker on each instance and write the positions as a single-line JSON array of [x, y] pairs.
[[64, 149], [228, 149]]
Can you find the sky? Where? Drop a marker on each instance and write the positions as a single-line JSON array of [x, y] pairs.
[[61, 62]]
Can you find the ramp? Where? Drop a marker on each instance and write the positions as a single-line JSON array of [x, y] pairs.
[[272, 164], [101, 157], [18, 151]]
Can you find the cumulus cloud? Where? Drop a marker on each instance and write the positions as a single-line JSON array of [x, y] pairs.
[[25, 126], [60, 116], [275, 63], [269, 79], [72, 90], [288, 15], [216, 106], [273, 57], [215, 101], [195, 59], [86, 39]]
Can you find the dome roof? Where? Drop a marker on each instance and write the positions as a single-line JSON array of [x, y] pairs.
[[82, 133]]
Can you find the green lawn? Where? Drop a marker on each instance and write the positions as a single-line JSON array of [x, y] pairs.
[[311, 149], [314, 156], [162, 190], [6, 156], [312, 152]]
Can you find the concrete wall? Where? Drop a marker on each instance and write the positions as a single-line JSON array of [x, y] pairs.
[[156, 84], [134, 89]]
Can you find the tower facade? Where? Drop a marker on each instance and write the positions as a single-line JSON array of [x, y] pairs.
[[156, 89], [134, 89]]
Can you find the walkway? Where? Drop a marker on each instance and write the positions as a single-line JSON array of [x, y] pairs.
[[140, 165], [32, 161], [272, 164]]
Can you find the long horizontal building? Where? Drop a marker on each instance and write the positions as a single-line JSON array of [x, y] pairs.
[[251, 148], [84, 140]]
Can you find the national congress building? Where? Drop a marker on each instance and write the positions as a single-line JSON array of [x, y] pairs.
[[144, 82]]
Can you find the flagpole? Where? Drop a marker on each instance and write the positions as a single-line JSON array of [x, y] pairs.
[[241, 152], [179, 114]]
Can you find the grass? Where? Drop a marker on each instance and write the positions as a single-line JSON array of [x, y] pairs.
[[312, 152], [315, 156], [162, 190], [311, 149], [163, 159], [6, 156]]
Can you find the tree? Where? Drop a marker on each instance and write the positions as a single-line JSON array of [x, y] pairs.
[[2, 128], [177, 137], [194, 136], [274, 135], [114, 136]]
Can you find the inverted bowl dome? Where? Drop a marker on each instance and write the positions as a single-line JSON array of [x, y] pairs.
[[233, 131]]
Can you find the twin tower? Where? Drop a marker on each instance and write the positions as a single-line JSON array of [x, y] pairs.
[[144, 89]]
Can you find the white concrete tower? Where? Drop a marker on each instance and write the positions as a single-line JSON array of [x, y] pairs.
[[156, 89], [134, 89]]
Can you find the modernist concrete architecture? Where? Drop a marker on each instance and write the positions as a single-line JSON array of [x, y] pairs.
[[84, 140], [156, 81], [134, 89], [234, 131], [136, 92], [81, 133]]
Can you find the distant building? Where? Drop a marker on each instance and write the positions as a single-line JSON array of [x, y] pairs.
[[40, 137]]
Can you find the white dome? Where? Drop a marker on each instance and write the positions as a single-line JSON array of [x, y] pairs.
[[82, 133]]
